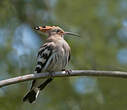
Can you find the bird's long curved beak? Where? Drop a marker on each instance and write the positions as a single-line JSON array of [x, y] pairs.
[[71, 33]]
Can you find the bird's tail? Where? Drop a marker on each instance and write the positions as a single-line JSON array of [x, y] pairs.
[[31, 96]]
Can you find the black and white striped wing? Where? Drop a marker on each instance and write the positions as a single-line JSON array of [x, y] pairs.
[[43, 56]]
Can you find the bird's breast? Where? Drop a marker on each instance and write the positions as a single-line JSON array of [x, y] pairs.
[[58, 60]]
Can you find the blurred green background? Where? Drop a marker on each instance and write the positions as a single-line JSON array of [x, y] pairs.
[[102, 25]]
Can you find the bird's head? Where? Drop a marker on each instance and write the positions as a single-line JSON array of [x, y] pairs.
[[52, 30]]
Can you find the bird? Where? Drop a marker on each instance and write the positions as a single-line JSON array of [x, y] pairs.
[[53, 56]]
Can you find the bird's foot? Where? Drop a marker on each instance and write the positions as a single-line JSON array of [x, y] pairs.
[[68, 71]]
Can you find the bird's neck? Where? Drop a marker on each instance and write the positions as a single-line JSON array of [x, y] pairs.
[[54, 37]]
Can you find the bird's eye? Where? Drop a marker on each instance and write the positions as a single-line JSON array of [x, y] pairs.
[[44, 26], [58, 30]]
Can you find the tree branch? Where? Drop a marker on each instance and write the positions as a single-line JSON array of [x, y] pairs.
[[28, 77]]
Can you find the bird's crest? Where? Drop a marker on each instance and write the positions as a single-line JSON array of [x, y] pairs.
[[57, 29]]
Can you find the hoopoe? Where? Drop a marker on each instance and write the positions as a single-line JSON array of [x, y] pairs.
[[53, 56]]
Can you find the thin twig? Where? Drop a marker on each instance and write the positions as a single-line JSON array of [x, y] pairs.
[[98, 73]]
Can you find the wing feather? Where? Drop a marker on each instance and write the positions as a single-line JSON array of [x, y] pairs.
[[43, 56]]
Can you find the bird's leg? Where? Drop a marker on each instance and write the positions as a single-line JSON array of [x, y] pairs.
[[68, 71]]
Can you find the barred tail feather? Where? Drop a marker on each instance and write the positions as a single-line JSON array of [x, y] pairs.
[[31, 96], [45, 83]]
